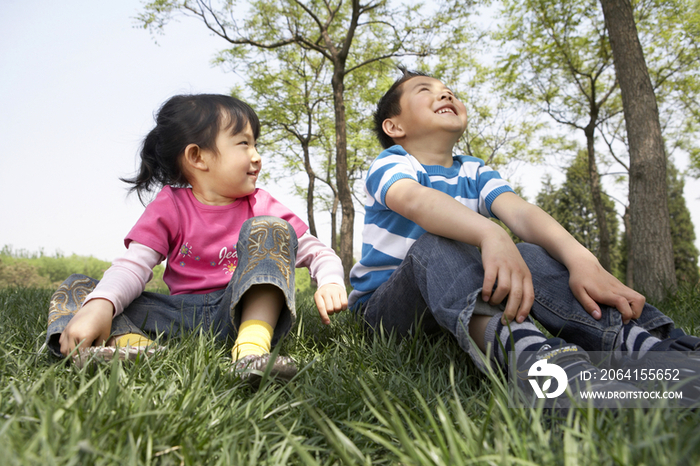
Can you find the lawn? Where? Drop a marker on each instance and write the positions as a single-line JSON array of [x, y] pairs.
[[358, 400]]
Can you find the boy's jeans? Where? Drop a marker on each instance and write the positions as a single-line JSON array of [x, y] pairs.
[[439, 284], [267, 248]]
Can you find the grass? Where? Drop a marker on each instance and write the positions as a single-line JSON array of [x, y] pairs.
[[357, 400]]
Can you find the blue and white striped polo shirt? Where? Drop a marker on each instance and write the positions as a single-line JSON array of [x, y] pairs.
[[387, 236]]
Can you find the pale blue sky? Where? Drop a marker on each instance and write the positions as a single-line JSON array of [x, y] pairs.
[[78, 88]]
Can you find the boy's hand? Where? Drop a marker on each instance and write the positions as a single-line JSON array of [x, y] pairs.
[[90, 326], [330, 299], [592, 284], [443, 215], [505, 269]]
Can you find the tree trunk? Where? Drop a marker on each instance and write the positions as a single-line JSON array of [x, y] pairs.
[[310, 206], [600, 214], [629, 278], [650, 247], [334, 228], [341, 172], [310, 191]]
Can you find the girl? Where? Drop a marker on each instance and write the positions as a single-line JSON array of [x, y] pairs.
[[231, 249]]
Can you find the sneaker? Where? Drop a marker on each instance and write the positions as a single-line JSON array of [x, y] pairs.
[[251, 368], [678, 341], [672, 364], [93, 355], [572, 366]]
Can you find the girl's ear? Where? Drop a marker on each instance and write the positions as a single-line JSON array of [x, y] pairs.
[[392, 128], [193, 158]]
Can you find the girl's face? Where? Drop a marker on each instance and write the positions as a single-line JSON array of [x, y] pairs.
[[233, 172]]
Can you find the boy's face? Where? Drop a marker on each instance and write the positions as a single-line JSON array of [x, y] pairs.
[[428, 109]]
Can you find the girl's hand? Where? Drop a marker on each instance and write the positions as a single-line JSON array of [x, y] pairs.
[[90, 326], [592, 284], [330, 299]]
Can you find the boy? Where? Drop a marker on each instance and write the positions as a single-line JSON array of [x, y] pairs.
[[426, 215]]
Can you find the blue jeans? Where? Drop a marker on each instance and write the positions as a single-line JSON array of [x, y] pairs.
[[266, 249], [439, 285]]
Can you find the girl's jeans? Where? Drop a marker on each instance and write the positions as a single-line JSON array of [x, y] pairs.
[[266, 248], [439, 285]]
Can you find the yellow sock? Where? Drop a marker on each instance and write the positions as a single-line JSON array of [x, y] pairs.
[[132, 339], [254, 337]]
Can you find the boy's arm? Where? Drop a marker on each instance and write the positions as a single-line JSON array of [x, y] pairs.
[[590, 283], [442, 215]]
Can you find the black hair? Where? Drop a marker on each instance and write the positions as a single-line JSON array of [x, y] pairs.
[[389, 105], [181, 121]]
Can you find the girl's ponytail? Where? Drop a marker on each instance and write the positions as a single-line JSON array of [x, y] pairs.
[[157, 168]]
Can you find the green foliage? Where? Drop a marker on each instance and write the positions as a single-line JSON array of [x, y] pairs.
[[685, 254], [669, 31], [557, 59], [559, 62], [304, 286], [358, 400], [316, 62], [572, 206], [292, 97], [21, 273], [37, 270]]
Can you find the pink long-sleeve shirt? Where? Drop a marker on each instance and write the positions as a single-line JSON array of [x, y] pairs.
[[199, 242]]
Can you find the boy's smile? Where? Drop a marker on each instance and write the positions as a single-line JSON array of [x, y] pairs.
[[447, 109]]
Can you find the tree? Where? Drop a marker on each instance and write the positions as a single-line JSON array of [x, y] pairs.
[[572, 206], [291, 97], [559, 61], [685, 254], [650, 246], [669, 33], [349, 36]]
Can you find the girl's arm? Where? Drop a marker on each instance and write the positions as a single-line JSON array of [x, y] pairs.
[[123, 282], [126, 279], [326, 269]]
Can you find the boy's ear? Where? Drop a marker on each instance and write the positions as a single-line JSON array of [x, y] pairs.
[[193, 157], [393, 128]]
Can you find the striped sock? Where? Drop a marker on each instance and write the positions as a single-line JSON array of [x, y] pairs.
[[514, 337], [254, 337], [633, 339]]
